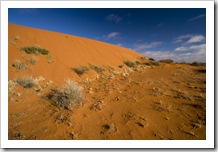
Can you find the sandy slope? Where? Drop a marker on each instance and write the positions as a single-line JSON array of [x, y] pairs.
[[66, 51], [146, 102]]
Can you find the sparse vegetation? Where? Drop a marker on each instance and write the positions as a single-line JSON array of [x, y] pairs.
[[167, 61], [14, 39], [201, 70], [151, 59], [27, 82], [198, 64], [35, 50], [130, 64], [97, 68], [137, 62], [17, 64], [67, 97], [32, 60], [120, 66], [155, 63], [80, 70]]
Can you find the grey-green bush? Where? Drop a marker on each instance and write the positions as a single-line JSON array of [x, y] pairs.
[[35, 50], [130, 64], [27, 82], [68, 96], [17, 64], [80, 70], [98, 69]]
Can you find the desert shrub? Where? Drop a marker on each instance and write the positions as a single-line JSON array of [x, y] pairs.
[[17, 64], [130, 64], [68, 96], [120, 66], [31, 60], [201, 70], [27, 82], [97, 68], [80, 70], [137, 62], [155, 63], [166, 61], [35, 50], [198, 64], [151, 59]]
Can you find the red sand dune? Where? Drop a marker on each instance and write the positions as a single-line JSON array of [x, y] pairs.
[[149, 101], [66, 51]]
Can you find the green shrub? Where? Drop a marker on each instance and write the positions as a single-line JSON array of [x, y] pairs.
[[67, 97], [166, 61], [27, 82], [80, 70], [35, 50], [97, 68], [198, 64], [155, 63], [130, 64]]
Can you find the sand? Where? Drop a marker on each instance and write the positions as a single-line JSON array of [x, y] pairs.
[[146, 102]]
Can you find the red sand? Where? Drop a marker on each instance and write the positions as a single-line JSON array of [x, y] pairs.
[[146, 102]]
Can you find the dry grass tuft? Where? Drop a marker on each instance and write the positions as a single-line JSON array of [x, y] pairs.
[[32, 60], [27, 82], [18, 65], [98, 69], [67, 97]]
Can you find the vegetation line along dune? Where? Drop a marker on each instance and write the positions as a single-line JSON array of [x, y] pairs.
[[68, 87]]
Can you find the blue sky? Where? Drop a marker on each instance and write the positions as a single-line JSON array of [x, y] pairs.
[[161, 33]]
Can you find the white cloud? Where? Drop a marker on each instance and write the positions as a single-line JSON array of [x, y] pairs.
[[189, 57], [114, 18], [181, 38], [189, 38], [197, 17], [147, 45], [182, 48], [112, 35], [159, 55], [201, 47], [196, 38]]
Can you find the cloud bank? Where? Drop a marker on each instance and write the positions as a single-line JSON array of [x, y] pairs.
[[189, 38], [189, 57], [201, 47], [184, 53]]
